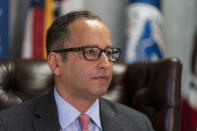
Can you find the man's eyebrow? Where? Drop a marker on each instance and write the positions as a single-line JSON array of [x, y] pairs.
[[109, 46], [90, 46]]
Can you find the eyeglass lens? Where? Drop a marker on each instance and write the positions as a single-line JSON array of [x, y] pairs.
[[95, 53]]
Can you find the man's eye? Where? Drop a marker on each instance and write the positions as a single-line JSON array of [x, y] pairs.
[[108, 53], [91, 52]]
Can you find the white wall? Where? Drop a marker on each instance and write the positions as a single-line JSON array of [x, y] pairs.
[[112, 12], [180, 23], [18, 15]]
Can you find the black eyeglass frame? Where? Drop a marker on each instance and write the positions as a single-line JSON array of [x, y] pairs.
[[83, 49]]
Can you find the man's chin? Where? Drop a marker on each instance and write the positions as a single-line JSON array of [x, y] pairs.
[[100, 92]]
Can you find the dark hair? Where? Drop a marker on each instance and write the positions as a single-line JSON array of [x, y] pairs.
[[59, 29]]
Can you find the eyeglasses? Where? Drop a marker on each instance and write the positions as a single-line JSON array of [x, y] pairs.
[[93, 53]]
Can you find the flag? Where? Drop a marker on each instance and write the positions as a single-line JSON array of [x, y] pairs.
[[189, 101], [40, 17], [4, 23], [34, 30], [144, 31]]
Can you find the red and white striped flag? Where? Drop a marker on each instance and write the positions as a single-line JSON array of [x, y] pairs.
[[189, 103], [34, 29], [40, 16]]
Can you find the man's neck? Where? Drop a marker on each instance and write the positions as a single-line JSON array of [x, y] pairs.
[[81, 104]]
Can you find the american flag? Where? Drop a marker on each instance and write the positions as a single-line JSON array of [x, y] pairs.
[[40, 16]]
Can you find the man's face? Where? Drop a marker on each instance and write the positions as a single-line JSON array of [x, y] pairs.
[[82, 78]]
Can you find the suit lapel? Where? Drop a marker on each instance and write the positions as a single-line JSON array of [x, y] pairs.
[[108, 117], [46, 113], [47, 116]]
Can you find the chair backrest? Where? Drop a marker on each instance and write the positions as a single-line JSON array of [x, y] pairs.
[[153, 88], [22, 79], [150, 87]]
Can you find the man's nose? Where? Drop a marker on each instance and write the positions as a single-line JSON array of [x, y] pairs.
[[104, 62]]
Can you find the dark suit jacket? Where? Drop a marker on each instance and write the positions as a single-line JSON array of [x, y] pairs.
[[40, 114]]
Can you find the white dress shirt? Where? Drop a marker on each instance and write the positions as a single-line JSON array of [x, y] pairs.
[[68, 115]]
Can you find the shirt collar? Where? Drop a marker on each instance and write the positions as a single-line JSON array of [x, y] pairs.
[[67, 113], [94, 113]]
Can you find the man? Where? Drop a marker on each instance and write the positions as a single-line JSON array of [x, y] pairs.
[[80, 56]]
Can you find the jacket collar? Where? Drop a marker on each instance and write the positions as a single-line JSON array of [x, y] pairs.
[[46, 113], [109, 116], [47, 116]]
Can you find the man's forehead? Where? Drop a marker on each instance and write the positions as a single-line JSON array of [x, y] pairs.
[[95, 23], [83, 25], [88, 31]]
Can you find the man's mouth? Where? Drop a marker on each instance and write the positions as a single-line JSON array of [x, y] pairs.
[[101, 78]]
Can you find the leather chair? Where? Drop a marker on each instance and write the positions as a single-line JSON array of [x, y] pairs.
[[150, 87]]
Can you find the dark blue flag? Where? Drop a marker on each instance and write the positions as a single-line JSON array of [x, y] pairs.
[[4, 47], [144, 31]]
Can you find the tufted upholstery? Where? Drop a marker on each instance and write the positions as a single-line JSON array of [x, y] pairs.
[[150, 87], [22, 79]]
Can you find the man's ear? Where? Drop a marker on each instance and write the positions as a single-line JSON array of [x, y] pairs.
[[54, 62]]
